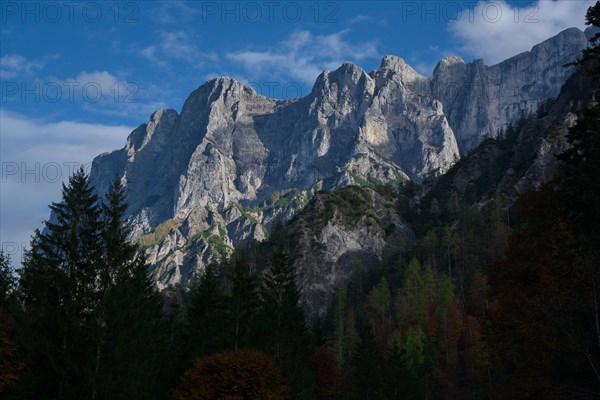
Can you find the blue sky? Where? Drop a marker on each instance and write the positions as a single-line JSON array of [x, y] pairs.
[[77, 77]]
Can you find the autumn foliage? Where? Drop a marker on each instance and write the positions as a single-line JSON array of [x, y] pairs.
[[328, 378], [233, 375], [8, 366]]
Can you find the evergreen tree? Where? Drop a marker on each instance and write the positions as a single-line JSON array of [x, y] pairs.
[[135, 360], [590, 57], [242, 302], [7, 281], [378, 305], [366, 382], [206, 316], [93, 325], [59, 287], [283, 321], [9, 364], [280, 303], [400, 381], [580, 179], [130, 356], [118, 251]]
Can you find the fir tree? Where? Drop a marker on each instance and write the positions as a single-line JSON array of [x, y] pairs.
[[283, 322], [130, 357], [242, 302], [280, 302], [366, 382], [59, 287], [9, 362], [206, 316], [93, 325], [7, 281]]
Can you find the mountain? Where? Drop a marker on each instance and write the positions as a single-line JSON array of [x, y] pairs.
[[479, 100], [219, 173], [353, 235]]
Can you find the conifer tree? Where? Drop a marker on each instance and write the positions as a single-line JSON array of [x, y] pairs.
[[7, 281], [242, 302], [283, 322], [280, 302], [131, 351], [366, 382], [93, 325], [59, 287], [9, 364], [206, 316]]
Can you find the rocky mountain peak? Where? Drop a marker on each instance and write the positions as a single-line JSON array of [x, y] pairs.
[[481, 100], [447, 64], [339, 92], [393, 67], [349, 68], [346, 76], [155, 132], [221, 87], [449, 60], [560, 45], [392, 62]]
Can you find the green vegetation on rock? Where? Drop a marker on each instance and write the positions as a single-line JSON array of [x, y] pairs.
[[160, 233]]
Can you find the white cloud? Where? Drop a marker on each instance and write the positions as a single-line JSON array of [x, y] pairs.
[[102, 86], [36, 157], [176, 46], [303, 56], [361, 18], [15, 65], [173, 12], [149, 53], [97, 91], [495, 30], [105, 93]]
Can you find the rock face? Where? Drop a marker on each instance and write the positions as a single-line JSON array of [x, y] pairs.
[[217, 174], [479, 100], [335, 233], [526, 157]]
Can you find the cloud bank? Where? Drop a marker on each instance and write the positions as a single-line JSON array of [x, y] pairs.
[[36, 158], [495, 30], [302, 56]]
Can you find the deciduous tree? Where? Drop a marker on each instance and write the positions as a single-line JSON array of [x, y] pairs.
[[233, 375]]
